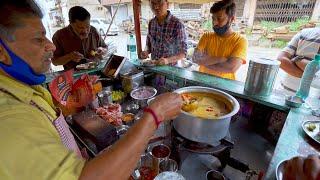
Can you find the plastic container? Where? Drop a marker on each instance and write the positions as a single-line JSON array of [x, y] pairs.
[[307, 77], [132, 48]]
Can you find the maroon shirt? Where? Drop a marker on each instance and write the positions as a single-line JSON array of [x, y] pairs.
[[66, 41]]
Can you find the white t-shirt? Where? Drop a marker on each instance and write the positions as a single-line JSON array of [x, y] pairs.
[[307, 44]]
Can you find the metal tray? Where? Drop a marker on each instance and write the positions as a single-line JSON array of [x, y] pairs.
[[113, 66], [315, 134], [280, 170]]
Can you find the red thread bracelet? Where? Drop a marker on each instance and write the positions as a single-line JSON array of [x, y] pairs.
[[156, 120]]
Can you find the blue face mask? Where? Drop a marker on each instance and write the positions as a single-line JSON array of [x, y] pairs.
[[20, 70], [221, 30]]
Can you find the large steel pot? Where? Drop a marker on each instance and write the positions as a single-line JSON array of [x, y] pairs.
[[208, 131]]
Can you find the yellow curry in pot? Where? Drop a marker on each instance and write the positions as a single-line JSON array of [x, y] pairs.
[[204, 105]]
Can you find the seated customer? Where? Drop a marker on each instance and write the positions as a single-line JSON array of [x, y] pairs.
[[299, 52], [221, 52], [78, 42], [166, 40]]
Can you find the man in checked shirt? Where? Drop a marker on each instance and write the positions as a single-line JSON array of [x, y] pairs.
[[166, 40]]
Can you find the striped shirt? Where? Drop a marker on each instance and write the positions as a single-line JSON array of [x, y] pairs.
[[167, 39], [306, 43]]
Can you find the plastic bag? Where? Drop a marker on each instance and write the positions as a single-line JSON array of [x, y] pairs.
[[73, 95]]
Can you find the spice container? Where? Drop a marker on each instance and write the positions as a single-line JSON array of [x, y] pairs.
[[104, 97], [132, 80]]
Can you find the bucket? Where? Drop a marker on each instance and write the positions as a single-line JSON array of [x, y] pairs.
[[261, 77]]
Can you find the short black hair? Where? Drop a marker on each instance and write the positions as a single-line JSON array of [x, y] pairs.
[[228, 5], [78, 13], [11, 14]]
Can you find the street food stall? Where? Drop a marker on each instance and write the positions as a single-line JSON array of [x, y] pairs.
[[129, 85], [293, 141]]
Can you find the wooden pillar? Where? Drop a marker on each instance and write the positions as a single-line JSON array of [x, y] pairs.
[[249, 11], [316, 12], [136, 14]]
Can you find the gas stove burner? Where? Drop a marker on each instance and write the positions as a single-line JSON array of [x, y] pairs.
[[222, 151], [203, 148], [197, 147]]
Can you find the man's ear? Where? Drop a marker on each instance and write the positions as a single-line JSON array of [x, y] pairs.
[[233, 19], [4, 56]]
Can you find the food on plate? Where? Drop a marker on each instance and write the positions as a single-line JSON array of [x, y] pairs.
[[128, 117], [82, 66], [93, 53], [143, 93], [89, 65], [111, 113], [204, 105], [117, 95], [311, 127], [148, 62]]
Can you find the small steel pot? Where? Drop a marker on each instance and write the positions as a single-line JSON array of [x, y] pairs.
[[168, 165], [104, 97], [158, 152], [214, 175]]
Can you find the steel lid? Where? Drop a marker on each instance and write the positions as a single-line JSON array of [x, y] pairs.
[[265, 61]]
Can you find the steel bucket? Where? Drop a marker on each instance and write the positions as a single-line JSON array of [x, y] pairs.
[[261, 77]]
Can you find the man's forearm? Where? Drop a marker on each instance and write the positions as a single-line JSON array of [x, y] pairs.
[[290, 67], [206, 60], [123, 155], [61, 60], [302, 64], [225, 67]]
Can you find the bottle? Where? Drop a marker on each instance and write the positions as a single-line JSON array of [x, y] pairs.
[[307, 77], [132, 48]]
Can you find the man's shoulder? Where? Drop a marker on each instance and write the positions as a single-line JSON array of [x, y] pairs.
[[311, 30], [152, 20], [94, 30], [61, 32], [176, 20], [209, 34], [239, 37]]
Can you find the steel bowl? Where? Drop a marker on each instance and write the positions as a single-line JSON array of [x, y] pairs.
[[141, 100], [214, 175], [294, 101], [168, 165], [202, 130]]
